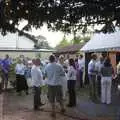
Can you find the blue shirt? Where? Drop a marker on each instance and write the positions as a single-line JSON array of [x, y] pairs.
[[5, 64], [54, 73]]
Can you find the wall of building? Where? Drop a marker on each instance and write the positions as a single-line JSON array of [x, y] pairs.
[[14, 54], [71, 55]]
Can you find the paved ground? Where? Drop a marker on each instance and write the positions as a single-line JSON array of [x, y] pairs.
[[16, 107], [100, 111], [20, 108], [1, 106]]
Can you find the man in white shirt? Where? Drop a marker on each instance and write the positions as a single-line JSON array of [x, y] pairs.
[[37, 78], [54, 72], [92, 76], [81, 63], [99, 65]]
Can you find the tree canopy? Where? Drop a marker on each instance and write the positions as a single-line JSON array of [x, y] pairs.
[[76, 40], [59, 14], [80, 40], [64, 42]]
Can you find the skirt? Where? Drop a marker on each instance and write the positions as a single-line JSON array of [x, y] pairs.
[[21, 83]]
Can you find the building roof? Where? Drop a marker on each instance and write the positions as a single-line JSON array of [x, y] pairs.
[[26, 50], [69, 49], [101, 42]]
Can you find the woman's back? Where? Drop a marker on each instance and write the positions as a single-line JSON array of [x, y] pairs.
[[106, 71]]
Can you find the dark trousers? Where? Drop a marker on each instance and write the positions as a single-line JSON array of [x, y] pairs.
[[81, 78], [72, 93], [93, 87], [99, 85], [4, 77], [37, 98]]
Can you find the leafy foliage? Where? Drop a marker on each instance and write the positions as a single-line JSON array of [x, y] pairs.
[[80, 39], [64, 42], [43, 44], [75, 40], [59, 14]]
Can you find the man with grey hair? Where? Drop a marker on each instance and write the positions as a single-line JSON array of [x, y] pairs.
[[37, 78], [81, 63], [54, 72], [92, 76], [99, 65]]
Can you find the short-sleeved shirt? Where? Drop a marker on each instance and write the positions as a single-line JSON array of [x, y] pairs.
[[37, 76], [92, 67], [20, 69], [54, 73], [5, 64]]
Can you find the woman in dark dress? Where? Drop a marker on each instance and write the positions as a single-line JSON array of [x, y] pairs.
[[21, 83]]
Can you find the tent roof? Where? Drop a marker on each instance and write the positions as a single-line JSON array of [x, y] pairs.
[[103, 42]]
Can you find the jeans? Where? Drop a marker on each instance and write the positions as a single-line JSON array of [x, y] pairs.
[[93, 87]]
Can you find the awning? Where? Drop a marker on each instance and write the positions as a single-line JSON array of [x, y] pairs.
[[103, 42]]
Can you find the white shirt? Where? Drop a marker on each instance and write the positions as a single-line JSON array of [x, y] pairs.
[[92, 67], [99, 65], [81, 63], [72, 73], [67, 62], [54, 73], [20, 69], [37, 76]]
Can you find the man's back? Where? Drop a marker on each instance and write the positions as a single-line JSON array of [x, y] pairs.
[[54, 73], [36, 76]]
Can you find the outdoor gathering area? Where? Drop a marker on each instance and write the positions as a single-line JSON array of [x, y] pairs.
[[59, 60]]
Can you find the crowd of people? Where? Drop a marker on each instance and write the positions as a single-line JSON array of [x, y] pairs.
[[61, 76]]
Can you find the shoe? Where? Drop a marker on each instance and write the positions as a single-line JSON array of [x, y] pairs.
[[63, 110], [38, 109], [108, 103], [27, 93], [69, 105], [41, 104], [53, 115], [19, 94]]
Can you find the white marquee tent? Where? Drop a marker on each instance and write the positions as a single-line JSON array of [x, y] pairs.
[[103, 42]]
